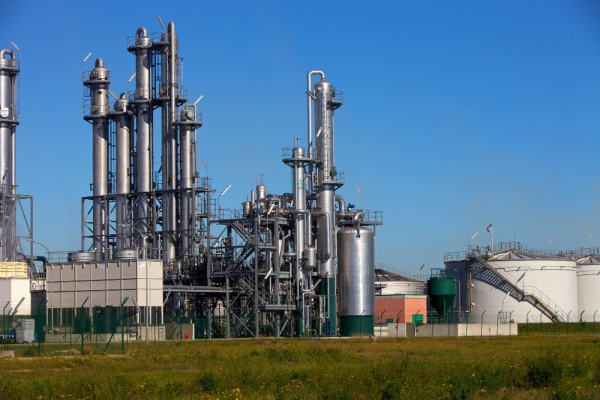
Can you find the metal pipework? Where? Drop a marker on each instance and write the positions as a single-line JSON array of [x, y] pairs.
[[9, 119], [168, 96], [310, 96], [123, 121], [98, 84], [143, 180]]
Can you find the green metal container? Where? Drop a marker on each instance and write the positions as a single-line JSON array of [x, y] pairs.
[[106, 319], [441, 291]]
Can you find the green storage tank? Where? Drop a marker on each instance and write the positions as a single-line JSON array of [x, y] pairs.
[[106, 319], [441, 289]]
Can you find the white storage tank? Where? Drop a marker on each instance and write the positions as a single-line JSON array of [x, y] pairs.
[[388, 282], [498, 287], [588, 287]]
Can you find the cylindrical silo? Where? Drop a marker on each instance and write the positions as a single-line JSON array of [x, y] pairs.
[[588, 288], [98, 84], [9, 119], [356, 270]]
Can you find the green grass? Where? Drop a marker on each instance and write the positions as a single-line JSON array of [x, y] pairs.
[[524, 367]]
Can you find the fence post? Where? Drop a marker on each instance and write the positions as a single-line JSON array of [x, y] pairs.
[[83, 325], [482, 322], [5, 340], [41, 336]]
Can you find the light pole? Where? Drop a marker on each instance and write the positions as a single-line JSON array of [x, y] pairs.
[[362, 202], [147, 266], [552, 243], [490, 229], [219, 200], [514, 236], [470, 240], [594, 239]]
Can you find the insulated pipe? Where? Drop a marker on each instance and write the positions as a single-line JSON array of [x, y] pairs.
[[309, 106], [340, 202], [310, 138]]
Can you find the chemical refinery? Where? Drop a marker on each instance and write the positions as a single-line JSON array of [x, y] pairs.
[[154, 241], [158, 251]]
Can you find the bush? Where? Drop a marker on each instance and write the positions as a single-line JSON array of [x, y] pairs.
[[545, 371]]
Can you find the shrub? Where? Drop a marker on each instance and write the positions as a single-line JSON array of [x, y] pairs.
[[545, 371], [210, 381]]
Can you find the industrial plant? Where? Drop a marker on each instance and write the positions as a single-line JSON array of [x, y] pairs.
[[160, 259], [157, 249]]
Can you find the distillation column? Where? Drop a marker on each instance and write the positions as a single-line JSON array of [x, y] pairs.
[[168, 97], [98, 83], [143, 140], [9, 119], [123, 120], [187, 127], [325, 203]]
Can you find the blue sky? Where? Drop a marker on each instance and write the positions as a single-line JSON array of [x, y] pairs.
[[456, 114]]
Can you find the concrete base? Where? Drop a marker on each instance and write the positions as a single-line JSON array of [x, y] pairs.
[[451, 330], [7, 353]]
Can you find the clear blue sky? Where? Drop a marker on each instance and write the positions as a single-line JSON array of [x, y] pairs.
[[456, 114]]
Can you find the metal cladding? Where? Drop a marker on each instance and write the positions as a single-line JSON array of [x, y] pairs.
[[356, 265], [9, 119], [588, 287]]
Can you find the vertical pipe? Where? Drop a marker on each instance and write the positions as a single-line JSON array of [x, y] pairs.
[[169, 74]]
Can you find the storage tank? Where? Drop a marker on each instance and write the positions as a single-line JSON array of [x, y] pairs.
[[496, 284], [588, 287], [441, 289], [356, 265]]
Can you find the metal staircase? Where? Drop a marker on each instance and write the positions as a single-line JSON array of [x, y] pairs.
[[484, 272]]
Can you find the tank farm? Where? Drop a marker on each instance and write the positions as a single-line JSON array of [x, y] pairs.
[[156, 248]]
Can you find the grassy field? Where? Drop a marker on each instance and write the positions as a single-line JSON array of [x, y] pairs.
[[531, 366]]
